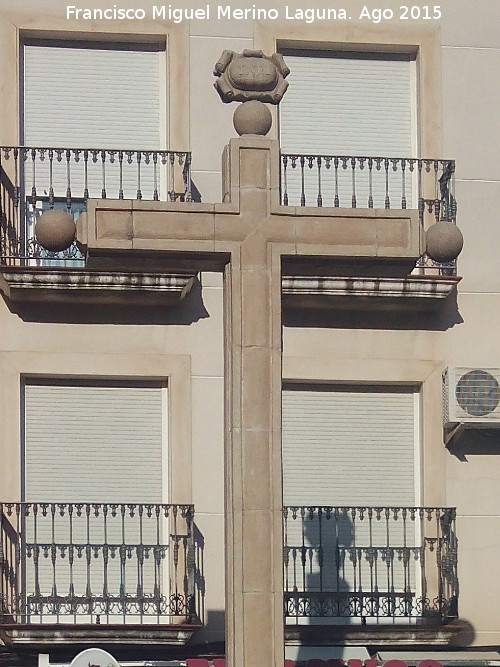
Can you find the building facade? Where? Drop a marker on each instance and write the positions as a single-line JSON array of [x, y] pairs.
[[158, 496]]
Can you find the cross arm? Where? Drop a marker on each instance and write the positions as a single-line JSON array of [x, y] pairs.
[[194, 236]]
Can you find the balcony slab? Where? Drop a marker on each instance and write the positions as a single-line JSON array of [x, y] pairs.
[[51, 635], [369, 293], [54, 284], [427, 632]]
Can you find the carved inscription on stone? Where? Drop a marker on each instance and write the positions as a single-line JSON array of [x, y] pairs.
[[251, 76]]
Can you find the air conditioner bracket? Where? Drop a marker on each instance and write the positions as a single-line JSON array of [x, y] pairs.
[[452, 433]]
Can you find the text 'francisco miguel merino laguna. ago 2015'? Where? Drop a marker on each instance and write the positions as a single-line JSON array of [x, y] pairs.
[[228, 12], [204, 13]]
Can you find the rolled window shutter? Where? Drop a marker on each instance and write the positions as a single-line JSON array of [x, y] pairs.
[[348, 447], [93, 96], [93, 443], [348, 105]]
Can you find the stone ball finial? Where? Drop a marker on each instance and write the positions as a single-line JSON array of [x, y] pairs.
[[444, 242], [251, 76], [252, 117], [55, 230]]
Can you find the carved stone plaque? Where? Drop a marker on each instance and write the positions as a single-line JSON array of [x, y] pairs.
[[251, 76]]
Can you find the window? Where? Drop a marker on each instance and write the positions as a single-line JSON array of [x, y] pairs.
[[94, 95], [349, 104], [95, 441], [95, 474], [349, 445], [349, 449], [90, 96]]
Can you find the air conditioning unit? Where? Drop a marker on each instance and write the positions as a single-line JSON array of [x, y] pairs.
[[471, 396]]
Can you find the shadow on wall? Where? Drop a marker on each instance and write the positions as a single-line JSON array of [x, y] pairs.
[[466, 636], [481, 441], [195, 194], [209, 640], [444, 317], [199, 571], [190, 310]]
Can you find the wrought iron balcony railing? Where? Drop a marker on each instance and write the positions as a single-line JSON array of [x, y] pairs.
[[97, 563], [426, 185], [373, 564], [369, 182], [35, 179]]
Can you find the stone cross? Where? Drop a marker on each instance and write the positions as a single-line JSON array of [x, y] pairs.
[[246, 237]]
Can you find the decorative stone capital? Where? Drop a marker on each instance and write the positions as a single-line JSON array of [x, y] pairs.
[[251, 76]]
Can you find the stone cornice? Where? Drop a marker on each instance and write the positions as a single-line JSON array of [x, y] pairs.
[[317, 291], [56, 284]]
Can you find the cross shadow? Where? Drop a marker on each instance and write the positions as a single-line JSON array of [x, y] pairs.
[[327, 597]]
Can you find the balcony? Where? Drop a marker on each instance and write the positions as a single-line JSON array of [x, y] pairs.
[[127, 570], [33, 180], [426, 185], [362, 567]]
